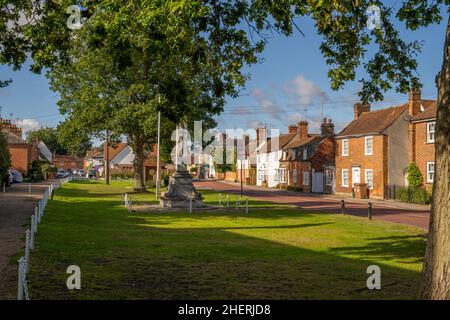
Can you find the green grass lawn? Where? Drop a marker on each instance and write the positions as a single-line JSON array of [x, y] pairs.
[[274, 252]]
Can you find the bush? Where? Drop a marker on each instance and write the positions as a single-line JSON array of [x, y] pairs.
[[36, 172], [5, 159], [165, 181], [413, 195], [193, 170], [294, 188], [415, 178], [122, 176]]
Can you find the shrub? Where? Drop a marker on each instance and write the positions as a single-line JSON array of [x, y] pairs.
[[294, 188], [36, 172], [413, 195], [415, 178]]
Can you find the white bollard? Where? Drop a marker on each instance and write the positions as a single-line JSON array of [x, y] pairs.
[[32, 232], [20, 280], [246, 206], [228, 202], [220, 200], [27, 250], [39, 213], [36, 214], [190, 205]]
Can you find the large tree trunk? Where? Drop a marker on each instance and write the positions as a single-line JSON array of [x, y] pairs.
[[436, 270], [138, 167]]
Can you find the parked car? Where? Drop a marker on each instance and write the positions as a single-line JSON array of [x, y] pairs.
[[81, 173], [62, 173], [16, 176]]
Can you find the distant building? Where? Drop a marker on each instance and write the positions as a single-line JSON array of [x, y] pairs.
[[67, 162], [23, 153]]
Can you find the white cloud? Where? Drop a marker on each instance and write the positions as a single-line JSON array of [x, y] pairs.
[[28, 125], [305, 90]]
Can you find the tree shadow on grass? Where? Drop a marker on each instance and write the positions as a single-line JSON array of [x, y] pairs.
[[128, 257], [410, 249]]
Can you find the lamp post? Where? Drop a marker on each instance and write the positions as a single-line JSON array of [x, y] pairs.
[[157, 152]]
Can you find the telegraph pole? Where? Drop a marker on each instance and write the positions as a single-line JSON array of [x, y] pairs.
[[106, 156]]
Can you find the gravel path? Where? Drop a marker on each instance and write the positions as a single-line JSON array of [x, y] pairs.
[[16, 207]]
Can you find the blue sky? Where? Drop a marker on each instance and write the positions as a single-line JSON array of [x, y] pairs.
[[284, 88]]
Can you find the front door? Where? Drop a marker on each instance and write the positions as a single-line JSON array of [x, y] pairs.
[[356, 175]]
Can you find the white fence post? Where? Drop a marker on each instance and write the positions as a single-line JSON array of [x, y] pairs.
[[36, 217], [32, 232], [190, 205], [228, 202], [27, 250], [246, 206], [22, 287], [220, 200]]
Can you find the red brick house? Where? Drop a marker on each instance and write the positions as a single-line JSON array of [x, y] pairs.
[[67, 162], [309, 158], [373, 151], [421, 135], [22, 153]]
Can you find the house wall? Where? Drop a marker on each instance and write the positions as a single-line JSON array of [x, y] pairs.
[[424, 151], [20, 157], [377, 162], [268, 162], [398, 149]]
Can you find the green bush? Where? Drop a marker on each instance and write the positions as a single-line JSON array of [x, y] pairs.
[[415, 178], [165, 181], [36, 172], [294, 188], [413, 195], [5, 158], [122, 176]]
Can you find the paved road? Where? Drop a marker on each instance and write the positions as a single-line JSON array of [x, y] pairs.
[[413, 215], [16, 207]]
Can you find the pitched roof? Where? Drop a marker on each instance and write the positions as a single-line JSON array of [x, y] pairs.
[[115, 150], [429, 113], [11, 138], [283, 140], [373, 122], [298, 142]]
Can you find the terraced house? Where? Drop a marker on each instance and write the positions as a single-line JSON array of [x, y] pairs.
[[373, 152], [308, 159], [422, 114]]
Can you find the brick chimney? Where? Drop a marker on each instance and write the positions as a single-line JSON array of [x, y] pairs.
[[303, 128], [11, 127], [327, 127], [359, 108], [415, 101], [261, 135], [293, 128]]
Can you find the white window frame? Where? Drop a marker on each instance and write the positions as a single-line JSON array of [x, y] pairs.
[[345, 151], [281, 175], [366, 149], [328, 175], [365, 178], [429, 171], [306, 181], [431, 132], [343, 184]]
